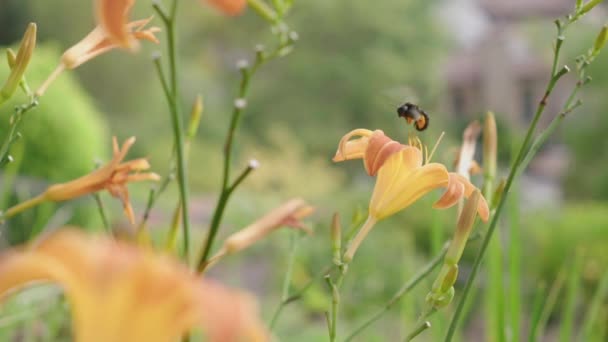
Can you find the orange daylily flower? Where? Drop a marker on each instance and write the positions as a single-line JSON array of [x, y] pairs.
[[113, 18], [230, 7], [98, 42], [404, 176], [289, 214], [118, 292], [113, 177]]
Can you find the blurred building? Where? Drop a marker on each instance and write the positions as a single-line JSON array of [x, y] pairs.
[[497, 68]]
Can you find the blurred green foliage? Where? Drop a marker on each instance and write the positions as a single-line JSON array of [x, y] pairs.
[[355, 62], [61, 140]]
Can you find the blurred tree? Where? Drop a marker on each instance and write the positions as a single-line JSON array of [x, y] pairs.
[[13, 20]]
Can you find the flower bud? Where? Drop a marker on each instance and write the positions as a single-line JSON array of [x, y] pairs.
[[600, 41], [21, 61], [589, 6], [440, 300], [463, 229], [336, 239], [195, 116], [11, 58], [288, 214]]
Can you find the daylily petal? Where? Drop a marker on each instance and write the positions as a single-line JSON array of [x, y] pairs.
[[452, 195], [356, 148], [113, 176], [447, 200], [380, 147], [230, 7], [113, 16], [399, 184]]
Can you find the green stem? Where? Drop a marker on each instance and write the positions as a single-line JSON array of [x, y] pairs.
[[102, 213], [406, 288], [556, 75], [226, 189], [20, 111], [172, 90], [293, 246], [418, 330], [297, 295]]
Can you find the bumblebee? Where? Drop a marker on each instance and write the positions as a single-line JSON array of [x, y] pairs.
[[412, 113]]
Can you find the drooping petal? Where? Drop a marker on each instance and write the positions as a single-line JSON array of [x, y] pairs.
[[353, 149], [449, 199], [401, 182]]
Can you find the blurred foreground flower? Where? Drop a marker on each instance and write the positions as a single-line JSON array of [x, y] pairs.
[[289, 214], [118, 292], [98, 42], [113, 177], [404, 176]]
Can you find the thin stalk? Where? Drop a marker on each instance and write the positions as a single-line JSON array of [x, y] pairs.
[[568, 316], [406, 288], [298, 294], [172, 90], [601, 294], [237, 112], [293, 246], [548, 305], [16, 209], [16, 118], [514, 269], [556, 75], [102, 213], [418, 330], [537, 308]]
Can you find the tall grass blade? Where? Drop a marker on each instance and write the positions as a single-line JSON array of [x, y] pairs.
[[514, 252], [591, 316], [572, 290]]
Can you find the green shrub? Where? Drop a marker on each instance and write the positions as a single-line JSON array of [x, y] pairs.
[[61, 138]]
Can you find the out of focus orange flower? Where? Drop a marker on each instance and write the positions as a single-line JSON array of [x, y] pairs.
[[113, 17], [113, 177], [289, 214], [230, 7], [98, 42], [118, 292]]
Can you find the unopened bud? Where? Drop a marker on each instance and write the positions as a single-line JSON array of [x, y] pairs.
[[589, 6], [242, 64], [440, 300], [446, 278], [24, 55], [336, 239], [11, 58], [463, 229], [600, 41], [195, 117], [289, 213], [240, 103]]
